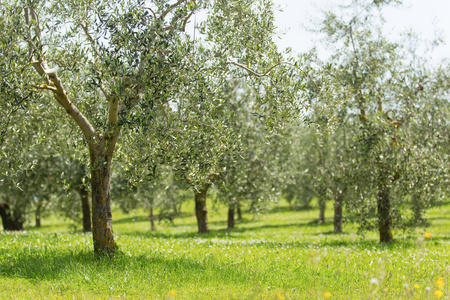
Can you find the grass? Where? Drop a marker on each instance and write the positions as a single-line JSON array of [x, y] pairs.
[[280, 255]]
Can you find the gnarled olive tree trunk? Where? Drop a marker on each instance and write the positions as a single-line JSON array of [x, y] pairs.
[[418, 209], [38, 214], [101, 157], [152, 218], [86, 209], [338, 205], [322, 206], [201, 210], [231, 216], [239, 212], [384, 213]]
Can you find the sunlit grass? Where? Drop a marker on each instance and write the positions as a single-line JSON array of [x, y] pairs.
[[279, 255]]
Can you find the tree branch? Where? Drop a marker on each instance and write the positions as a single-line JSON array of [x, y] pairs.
[[90, 39], [174, 26], [96, 56], [154, 15], [46, 87], [114, 111], [61, 96], [170, 8], [183, 28], [54, 84], [271, 69]]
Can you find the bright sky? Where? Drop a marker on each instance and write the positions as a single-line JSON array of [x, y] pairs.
[[427, 17]]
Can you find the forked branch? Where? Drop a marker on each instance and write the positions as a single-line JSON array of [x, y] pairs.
[[53, 82]]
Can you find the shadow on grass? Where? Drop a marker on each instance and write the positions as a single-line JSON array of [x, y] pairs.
[[282, 209], [50, 265], [330, 239], [46, 263], [133, 219], [224, 232], [136, 219]]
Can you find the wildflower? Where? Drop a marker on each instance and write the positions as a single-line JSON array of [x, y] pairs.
[[440, 283], [327, 295], [438, 293], [374, 281], [427, 235], [428, 289], [279, 296], [416, 286], [172, 294]]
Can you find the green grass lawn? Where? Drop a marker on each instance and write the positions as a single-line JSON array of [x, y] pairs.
[[278, 255]]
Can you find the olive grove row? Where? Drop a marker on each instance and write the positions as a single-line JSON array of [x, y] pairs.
[[114, 100]]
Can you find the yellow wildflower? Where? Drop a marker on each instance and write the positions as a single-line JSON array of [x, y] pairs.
[[327, 295], [416, 286], [427, 235], [172, 294], [438, 293], [440, 283], [279, 296]]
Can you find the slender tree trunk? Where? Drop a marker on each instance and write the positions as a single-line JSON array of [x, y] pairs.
[[175, 209], [38, 214], [384, 214], [231, 216], [201, 210], [239, 212], [322, 206], [10, 223], [152, 218], [85, 207], [338, 204], [418, 209], [102, 231]]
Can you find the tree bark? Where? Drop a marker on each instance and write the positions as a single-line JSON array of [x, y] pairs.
[[338, 204], [152, 218], [231, 216], [239, 213], [384, 214], [102, 231], [10, 223], [175, 209], [322, 206], [85, 207], [418, 209], [201, 210], [38, 214]]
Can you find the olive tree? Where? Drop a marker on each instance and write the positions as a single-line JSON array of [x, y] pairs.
[[107, 63], [255, 171], [384, 86]]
